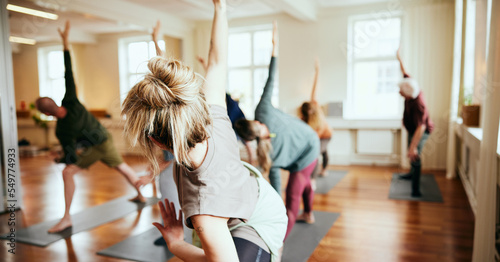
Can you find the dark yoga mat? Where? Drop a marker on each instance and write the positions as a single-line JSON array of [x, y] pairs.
[[139, 248], [304, 237], [326, 183], [401, 189], [298, 247], [87, 219]]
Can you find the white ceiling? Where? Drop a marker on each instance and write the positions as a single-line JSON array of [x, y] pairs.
[[90, 17], [203, 9]]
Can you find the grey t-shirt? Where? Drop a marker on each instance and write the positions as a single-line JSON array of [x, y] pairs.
[[295, 145], [221, 186]]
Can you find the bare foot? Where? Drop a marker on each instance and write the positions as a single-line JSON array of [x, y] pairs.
[[323, 173], [306, 217], [63, 224], [138, 199]]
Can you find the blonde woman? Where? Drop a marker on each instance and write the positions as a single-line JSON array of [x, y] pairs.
[[283, 142], [237, 216], [311, 113]]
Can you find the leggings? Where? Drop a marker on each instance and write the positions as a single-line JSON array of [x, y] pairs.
[[299, 184], [250, 252], [325, 159]]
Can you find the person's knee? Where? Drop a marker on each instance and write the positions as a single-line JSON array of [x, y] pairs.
[[69, 171]]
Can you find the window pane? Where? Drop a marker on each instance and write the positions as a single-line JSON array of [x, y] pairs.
[[262, 47], [55, 64], [239, 50], [239, 86], [376, 37], [133, 79], [55, 89], [375, 89], [152, 48], [137, 57]]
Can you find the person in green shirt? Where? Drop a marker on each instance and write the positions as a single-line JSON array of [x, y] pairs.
[[76, 127]]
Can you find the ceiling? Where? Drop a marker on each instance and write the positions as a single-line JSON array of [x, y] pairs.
[[89, 18]]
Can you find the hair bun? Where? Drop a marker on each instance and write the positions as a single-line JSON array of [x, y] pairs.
[[178, 81]]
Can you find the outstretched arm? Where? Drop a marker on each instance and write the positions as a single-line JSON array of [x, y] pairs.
[[215, 238], [215, 85], [64, 35], [268, 88], [315, 82], [154, 35], [202, 62], [403, 70], [68, 75]]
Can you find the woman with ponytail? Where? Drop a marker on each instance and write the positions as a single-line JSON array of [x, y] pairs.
[[311, 113], [283, 142], [237, 215]]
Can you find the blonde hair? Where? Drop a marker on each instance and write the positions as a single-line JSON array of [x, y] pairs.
[[250, 130], [312, 114], [168, 105]]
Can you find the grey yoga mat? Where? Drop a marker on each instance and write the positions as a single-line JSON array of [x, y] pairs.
[[304, 237], [86, 219], [326, 183], [298, 247], [401, 189], [139, 248]]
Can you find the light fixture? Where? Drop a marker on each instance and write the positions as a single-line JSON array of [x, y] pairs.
[[30, 11], [22, 40]]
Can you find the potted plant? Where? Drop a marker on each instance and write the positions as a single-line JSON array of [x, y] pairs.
[[41, 121], [470, 112]]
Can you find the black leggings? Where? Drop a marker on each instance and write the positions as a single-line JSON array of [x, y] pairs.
[[250, 252], [325, 159]]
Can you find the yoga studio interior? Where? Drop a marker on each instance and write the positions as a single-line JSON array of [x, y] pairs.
[[375, 130]]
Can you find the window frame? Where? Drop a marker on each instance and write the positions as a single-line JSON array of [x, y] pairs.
[[123, 59], [252, 30], [349, 112], [44, 78]]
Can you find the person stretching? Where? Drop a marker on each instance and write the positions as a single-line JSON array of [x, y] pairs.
[[417, 122], [77, 127], [311, 113], [237, 216], [283, 142]]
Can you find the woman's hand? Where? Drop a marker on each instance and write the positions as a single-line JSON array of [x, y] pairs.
[[171, 230], [156, 29], [275, 39], [64, 34]]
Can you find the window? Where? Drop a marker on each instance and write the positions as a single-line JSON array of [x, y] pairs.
[[133, 58], [51, 73], [470, 51], [248, 61], [373, 69]]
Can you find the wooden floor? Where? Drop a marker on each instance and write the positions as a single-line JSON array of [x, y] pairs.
[[370, 228]]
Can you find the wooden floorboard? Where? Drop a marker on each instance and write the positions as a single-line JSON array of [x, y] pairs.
[[371, 227]]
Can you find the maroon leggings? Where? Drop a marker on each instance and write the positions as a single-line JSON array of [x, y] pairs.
[[299, 184]]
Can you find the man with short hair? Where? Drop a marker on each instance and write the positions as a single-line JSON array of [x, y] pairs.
[[418, 124], [77, 127]]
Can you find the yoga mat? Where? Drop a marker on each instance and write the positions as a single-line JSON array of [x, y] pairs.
[[298, 247], [87, 219], [401, 189], [326, 183], [139, 248], [304, 237]]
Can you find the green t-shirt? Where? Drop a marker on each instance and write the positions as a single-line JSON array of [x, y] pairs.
[[78, 127]]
